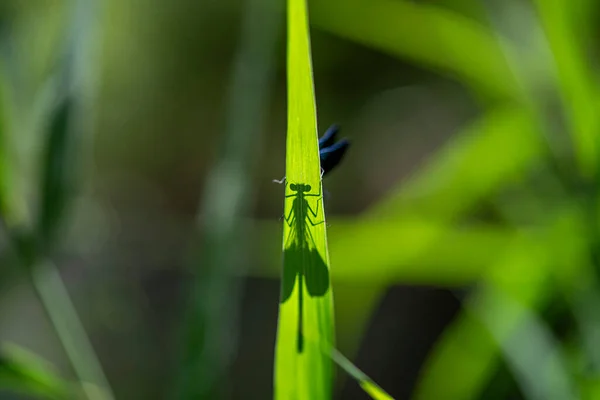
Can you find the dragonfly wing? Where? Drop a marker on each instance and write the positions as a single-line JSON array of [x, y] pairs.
[[316, 274], [328, 137], [332, 155]]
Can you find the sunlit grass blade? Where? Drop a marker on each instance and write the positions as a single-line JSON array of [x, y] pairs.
[[302, 370]]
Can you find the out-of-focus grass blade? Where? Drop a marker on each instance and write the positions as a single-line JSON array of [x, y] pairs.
[[491, 152], [468, 340], [530, 349], [210, 336], [24, 372], [302, 370], [12, 210], [577, 82], [56, 170], [430, 35], [422, 251], [4, 173], [370, 387], [523, 274]]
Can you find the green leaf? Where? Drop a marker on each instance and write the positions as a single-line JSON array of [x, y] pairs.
[[302, 370]]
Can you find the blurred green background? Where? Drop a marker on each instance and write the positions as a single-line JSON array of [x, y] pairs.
[[463, 223]]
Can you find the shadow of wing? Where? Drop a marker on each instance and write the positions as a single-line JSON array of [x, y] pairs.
[[292, 265], [316, 274]]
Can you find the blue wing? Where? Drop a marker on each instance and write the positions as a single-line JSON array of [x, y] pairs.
[[332, 155], [328, 137]]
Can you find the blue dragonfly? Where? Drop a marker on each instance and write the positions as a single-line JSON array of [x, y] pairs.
[[330, 151]]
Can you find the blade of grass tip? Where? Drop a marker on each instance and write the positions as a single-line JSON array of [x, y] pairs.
[[366, 383], [302, 371], [209, 333]]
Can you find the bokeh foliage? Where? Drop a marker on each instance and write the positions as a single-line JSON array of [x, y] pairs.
[[508, 206]]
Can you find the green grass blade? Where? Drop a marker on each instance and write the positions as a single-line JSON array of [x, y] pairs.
[[4, 173], [432, 36], [214, 301], [13, 211], [531, 350], [449, 184], [469, 341], [370, 387], [575, 78], [523, 275], [24, 372], [302, 370], [56, 173], [430, 253]]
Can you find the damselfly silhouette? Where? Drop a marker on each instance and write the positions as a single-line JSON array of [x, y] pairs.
[[330, 152], [301, 257]]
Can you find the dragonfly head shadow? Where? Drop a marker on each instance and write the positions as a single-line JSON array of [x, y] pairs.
[[300, 187]]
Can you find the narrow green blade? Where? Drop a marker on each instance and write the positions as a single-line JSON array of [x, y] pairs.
[[21, 371], [302, 370], [370, 387]]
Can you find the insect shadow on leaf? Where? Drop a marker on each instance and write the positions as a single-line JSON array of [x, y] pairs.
[[301, 257]]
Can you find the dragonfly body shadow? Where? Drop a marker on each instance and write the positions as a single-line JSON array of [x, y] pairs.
[[301, 257]]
